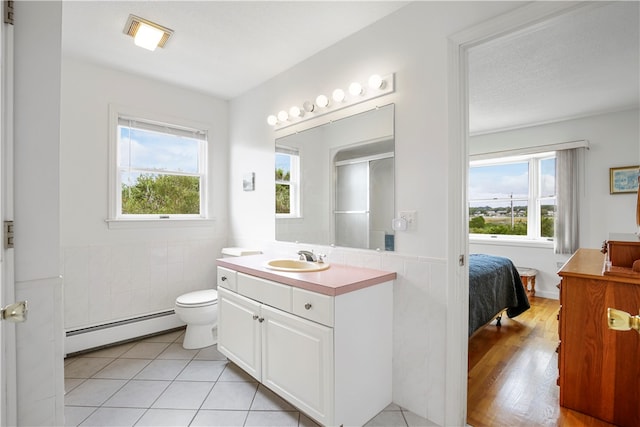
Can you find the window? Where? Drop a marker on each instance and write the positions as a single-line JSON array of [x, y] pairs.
[[287, 182], [513, 196], [159, 170]]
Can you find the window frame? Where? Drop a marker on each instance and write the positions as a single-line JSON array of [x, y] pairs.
[[294, 183], [534, 199], [115, 217]]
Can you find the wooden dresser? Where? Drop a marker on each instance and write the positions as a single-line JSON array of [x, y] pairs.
[[599, 368]]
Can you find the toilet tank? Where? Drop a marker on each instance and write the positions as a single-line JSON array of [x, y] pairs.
[[234, 252]]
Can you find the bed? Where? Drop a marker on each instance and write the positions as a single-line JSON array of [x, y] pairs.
[[494, 285]]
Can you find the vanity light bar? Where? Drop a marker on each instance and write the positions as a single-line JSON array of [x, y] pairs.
[[376, 86]]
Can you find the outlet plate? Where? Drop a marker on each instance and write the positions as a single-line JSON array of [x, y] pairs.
[[409, 216]]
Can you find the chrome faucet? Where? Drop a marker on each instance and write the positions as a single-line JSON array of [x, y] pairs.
[[307, 255]]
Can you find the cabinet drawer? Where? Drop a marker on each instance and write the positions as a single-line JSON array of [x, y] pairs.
[[265, 291], [227, 278], [313, 306]]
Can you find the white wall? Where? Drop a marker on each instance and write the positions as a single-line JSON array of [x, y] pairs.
[[111, 274], [36, 143], [413, 44], [613, 140]]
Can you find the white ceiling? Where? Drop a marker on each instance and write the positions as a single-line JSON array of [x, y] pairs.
[[222, 48], [581, 64]]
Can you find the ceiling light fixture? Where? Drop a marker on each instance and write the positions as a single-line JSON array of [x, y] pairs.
[[377, 86], [322, 101], [147, 34], [376, 82], [355, 89], [338, 95], [283, 116]]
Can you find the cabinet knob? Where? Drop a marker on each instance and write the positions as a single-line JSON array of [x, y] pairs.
[[308, 306], [261, 319], [223, 278], [255, 317]]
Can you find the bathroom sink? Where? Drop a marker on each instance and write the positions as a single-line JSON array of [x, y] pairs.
[[295, 265]]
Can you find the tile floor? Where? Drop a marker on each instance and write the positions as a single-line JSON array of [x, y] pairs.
[[156, 382]]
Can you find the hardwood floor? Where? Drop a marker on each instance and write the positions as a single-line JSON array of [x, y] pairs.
[[513, 371]]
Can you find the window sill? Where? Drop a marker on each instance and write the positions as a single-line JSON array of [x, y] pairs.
[[529, 243], [115, 224]]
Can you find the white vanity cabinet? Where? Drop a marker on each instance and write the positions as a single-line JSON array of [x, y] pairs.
[[330, 356]]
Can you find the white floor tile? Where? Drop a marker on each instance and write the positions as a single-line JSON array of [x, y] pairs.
[[414, 420], [184, 395], [266, 400], [145, 350], [71, 383], [231, 395], [272, 418], [137, 394], [210, 353], [123, 369], [207, 418], [156, 382], [115, 351], [176, 351], [202, 370], [162, 370], [86, 367], [93, 392], [233, 373], [114, 417], [387, 419], [74, 415], [167, 417]]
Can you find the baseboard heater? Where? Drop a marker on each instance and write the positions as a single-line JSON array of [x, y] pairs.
[[97, 336]]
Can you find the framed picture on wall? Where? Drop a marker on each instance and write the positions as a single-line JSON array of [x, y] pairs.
[[623, 179]]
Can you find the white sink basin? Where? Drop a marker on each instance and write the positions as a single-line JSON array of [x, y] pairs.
[[295, 265]]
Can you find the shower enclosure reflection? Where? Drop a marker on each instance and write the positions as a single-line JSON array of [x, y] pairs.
[[335, 182]]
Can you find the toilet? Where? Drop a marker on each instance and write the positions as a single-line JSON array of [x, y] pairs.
[[199, 309]]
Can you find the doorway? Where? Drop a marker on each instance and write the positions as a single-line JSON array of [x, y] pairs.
[[533, 15], [458, 247]]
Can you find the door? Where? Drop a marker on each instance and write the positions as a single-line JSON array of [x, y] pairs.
[[297, 362], [352, 205], [239, 331]]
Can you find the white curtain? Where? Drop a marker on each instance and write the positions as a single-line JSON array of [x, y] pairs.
[[568, 167]]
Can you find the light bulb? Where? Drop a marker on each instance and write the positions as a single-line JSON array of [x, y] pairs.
[[272, 120], [308, 106], [375, 81], [322, 101], [338, 95], [295, 112], [283, 116], [148, 36], [355, 89]]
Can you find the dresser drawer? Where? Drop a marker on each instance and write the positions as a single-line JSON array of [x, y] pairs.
[[265, 291], [313, 306], [227, 278]]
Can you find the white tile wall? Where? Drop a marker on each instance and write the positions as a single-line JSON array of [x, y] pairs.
[[111, 282], [39, 353]]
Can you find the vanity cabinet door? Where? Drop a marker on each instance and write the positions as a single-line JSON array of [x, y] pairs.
[[239, 331], [297, 362]]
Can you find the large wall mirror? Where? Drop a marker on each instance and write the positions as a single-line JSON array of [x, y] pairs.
[[335, 182]]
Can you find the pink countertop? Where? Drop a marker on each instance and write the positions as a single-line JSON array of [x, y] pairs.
[[336, 280]]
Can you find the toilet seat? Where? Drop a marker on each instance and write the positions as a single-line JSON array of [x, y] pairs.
[[198, 298]]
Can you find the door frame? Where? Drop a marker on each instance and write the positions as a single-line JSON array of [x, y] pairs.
[[536, 13], [8, 378]]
